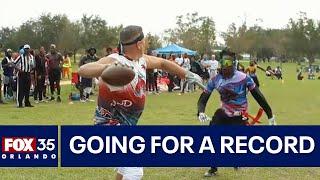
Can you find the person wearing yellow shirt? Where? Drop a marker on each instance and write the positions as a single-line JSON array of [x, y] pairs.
[[251, 71], [66, 66]]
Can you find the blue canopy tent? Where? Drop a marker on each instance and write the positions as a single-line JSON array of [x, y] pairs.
[[175, 49]]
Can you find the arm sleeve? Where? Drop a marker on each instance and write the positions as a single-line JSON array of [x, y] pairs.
[[204, 97], [202, 102], [258, 96]]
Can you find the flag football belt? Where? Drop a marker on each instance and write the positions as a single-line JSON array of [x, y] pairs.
[[254, 120]]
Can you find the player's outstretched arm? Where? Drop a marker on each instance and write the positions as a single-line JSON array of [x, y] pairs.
[[173, 68], [160, 63], [95, 69], [258, 96]]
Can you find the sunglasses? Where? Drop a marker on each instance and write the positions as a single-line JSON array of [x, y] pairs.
[[226, 63]]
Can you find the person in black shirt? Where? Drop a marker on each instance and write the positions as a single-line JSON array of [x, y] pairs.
[[86, 83], [8, 67], [40, 73], [24, 64]]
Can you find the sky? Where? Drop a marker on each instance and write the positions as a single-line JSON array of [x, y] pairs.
[[155, 16]]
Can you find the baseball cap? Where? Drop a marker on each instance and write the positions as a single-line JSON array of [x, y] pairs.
[[52, 46], [26, 46]]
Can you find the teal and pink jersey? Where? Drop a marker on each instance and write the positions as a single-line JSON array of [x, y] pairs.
[[122, 105], [233, 92]]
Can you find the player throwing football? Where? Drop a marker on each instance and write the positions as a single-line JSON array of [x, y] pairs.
[[124, 105]]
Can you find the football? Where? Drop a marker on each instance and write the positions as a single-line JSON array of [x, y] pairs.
[[118, 75]]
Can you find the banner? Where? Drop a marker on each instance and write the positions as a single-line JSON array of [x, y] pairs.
[[29, 146], [190, 146]]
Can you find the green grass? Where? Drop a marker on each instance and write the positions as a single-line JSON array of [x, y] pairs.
[[293, 102]]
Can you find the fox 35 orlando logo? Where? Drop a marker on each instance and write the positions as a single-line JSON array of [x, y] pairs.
[[28, 148]]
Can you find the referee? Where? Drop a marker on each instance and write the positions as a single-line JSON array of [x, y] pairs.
[[24, 64]]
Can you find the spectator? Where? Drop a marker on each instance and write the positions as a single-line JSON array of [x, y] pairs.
[[311, 73], [204, 65], [108, 51], [186, 65], [8, 68], [150, 80], [179, 60], [46, 80], [1, 101], [171, 76], [299, 75], [213, 66], [252, 71], [195, 68], [278, 72], [55, 61], [24, 64], [269, 71], [66, 66], [155, 80], [32, 74], [86, 83], [40, 74]]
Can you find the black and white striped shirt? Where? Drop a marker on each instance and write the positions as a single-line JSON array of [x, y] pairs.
[[25, 63]]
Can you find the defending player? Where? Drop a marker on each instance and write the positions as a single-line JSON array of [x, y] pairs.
[[232, 86], [124, 105]]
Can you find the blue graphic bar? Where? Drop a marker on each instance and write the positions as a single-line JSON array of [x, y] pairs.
[[190, 146]]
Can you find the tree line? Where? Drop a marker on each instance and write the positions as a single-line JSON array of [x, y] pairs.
[[90, 31], [298, 40]]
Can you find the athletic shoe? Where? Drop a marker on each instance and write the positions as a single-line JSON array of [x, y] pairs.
[[211, 172], [58, 99], [51, 99], [29, 105], [36, 101]]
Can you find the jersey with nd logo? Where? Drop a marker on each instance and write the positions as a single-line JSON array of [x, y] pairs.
[[122, 105], [233, 92]]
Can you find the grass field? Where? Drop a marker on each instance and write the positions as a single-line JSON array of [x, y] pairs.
[[293, 102]]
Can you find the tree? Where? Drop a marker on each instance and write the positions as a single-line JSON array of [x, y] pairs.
[[58, 29], [96, 33], [194, 32], [153, 42]]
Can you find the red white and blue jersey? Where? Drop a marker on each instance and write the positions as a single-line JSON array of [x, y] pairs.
[[233, 92], [122, 105]]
